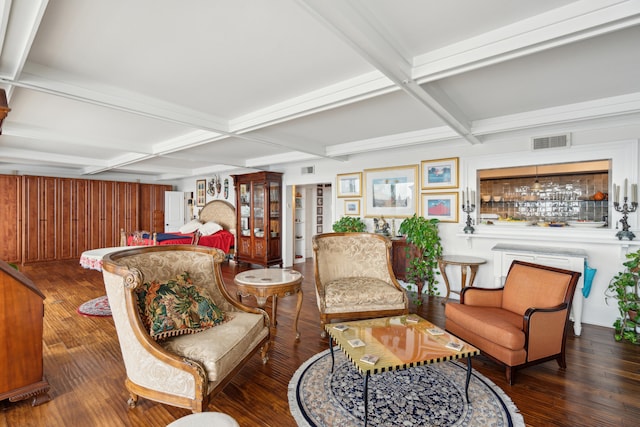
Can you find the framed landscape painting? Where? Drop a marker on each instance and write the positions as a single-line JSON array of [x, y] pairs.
[[443, 206], [391, 192], [352, 207], [350, 184], [440, 173]]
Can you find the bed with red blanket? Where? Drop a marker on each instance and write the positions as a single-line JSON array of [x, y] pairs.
[[222, 239], [219, 211]]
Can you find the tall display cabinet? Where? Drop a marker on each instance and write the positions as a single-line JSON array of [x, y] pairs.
[[259, 218]]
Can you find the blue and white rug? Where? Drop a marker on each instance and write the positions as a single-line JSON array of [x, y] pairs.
[[431, 395]]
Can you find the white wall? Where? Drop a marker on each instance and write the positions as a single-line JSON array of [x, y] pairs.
[[604, 251], [589, 141]]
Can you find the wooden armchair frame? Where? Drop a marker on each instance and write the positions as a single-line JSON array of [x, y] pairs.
[[135, 341]]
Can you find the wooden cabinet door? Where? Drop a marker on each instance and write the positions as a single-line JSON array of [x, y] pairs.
[[152, 207], [10, 212], [94, 215], [102, 218], [67, 231], [80, 217], [39, 218], [127, 196], [72, 217]]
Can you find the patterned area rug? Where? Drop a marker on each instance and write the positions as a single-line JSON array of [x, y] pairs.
[[431, 395], [97, 307]]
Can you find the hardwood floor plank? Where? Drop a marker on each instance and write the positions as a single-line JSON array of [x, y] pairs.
[[83, 364]]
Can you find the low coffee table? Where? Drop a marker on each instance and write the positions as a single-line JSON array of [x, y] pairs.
[[395, 343]]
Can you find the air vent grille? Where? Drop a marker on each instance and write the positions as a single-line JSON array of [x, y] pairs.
[[308, 170], [551, 141]]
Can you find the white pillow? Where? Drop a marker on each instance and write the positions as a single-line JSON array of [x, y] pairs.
[[190, 227], [209, 228]]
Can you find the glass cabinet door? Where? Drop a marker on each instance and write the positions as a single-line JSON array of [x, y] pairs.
[[274, 209], [258, 210], [245, 210]]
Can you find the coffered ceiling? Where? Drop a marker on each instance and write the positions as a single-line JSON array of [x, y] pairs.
[[160, 90]]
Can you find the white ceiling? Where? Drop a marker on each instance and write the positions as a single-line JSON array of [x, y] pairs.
[[161, 90]]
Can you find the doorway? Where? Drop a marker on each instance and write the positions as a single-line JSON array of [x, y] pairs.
[[311, 213]]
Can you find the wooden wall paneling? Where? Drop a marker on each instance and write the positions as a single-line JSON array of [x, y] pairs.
[[102, 218], [145, 214], [81, 217], [11, 214], [39, 218], [72, 217], [152, 207], [158, 207], [127, 201], [109, 209], [94, 219]]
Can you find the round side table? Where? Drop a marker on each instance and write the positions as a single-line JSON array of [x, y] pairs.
[[274, 283], [464, 261]]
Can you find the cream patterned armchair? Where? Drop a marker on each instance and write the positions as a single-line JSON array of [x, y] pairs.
[[183, 370], [354, 277]]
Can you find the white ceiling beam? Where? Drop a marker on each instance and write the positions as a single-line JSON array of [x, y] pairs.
[[589, 110], [568, 24], [18, 37], [354, 24], [29, 156]]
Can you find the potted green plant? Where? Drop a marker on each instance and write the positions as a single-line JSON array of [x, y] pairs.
[[623, 287], [423, 251], [349, 224]]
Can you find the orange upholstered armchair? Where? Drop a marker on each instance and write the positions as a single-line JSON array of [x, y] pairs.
[[520, 324]]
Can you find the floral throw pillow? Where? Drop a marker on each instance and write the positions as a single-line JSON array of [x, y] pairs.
[[177, 307]]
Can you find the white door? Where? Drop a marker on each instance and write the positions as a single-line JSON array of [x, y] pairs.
[[173, 210]]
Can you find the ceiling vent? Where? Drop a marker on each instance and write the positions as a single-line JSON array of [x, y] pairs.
[[308, 170], [551, 141]]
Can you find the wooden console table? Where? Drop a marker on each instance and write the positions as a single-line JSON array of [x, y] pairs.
[[465, 262]]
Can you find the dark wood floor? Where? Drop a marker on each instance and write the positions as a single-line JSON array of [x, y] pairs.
[[82, 362]]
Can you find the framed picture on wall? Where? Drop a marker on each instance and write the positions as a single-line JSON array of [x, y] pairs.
[[443, 206], [391, 192], [440, 173], [350, 184], [201, 192], [352, 207]]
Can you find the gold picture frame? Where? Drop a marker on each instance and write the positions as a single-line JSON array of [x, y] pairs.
[[443, 206], [352, 207], [391, 192], [440, 173], [349, 184]]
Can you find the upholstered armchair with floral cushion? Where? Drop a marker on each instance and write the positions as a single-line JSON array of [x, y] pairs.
[[354, 278], [521, 324], [182, 336]]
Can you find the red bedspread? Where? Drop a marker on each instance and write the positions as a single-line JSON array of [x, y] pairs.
[[222, 240]]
